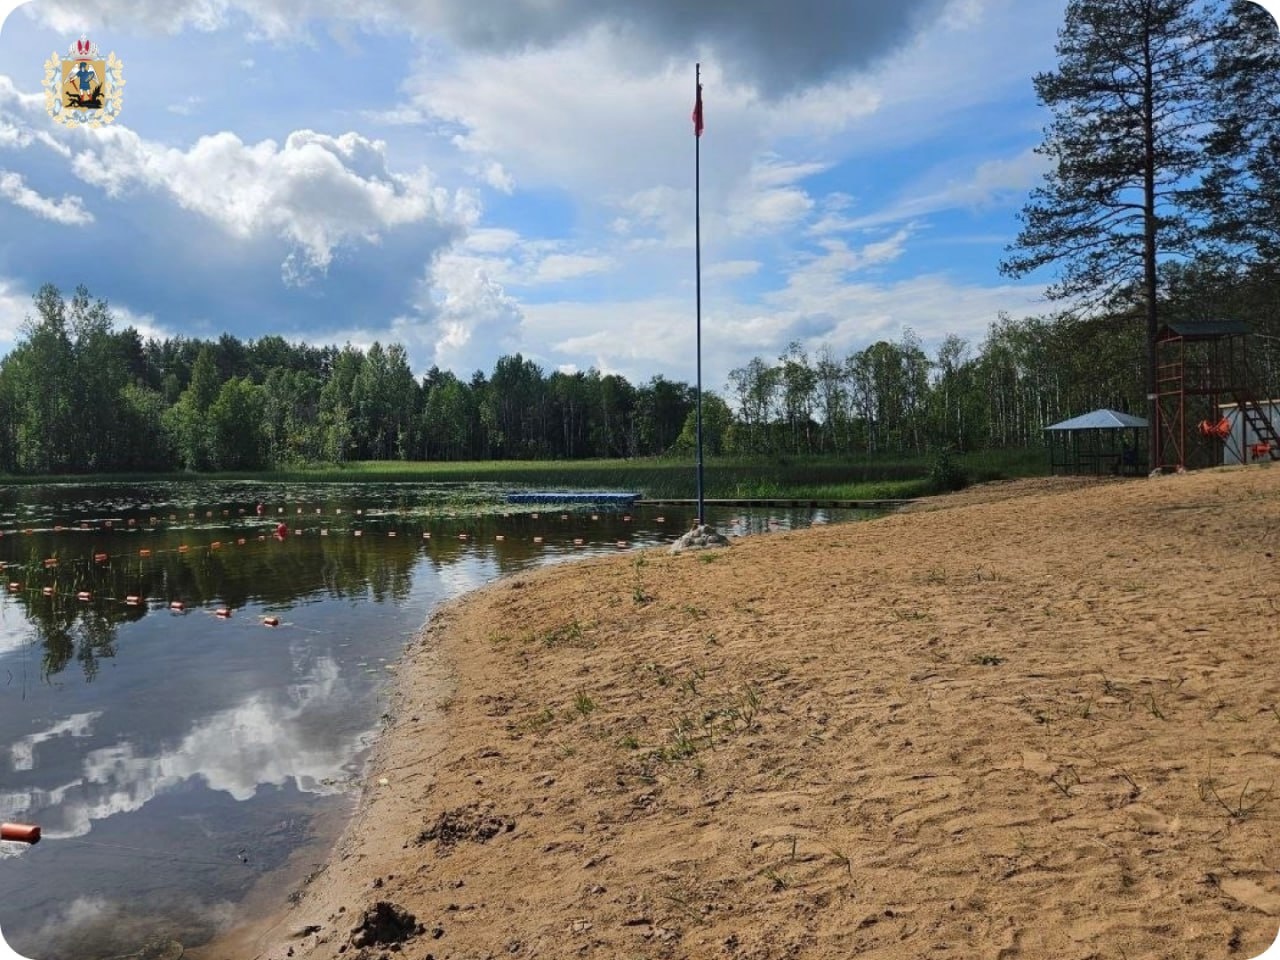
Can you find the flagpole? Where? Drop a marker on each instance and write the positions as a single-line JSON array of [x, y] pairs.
[[697, 261]]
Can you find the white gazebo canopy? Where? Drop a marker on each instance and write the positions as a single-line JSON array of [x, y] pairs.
[[1102, 419]]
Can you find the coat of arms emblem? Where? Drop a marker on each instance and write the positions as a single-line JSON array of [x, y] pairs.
[[81, 87]]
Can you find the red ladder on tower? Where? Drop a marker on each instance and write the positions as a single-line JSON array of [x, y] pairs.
[[1255, 418]]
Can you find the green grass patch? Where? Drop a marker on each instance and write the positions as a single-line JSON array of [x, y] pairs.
[[864, 477]]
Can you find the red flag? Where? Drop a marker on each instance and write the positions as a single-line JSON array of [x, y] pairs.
[[697, 114]]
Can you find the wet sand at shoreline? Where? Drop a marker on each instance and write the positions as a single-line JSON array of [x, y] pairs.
[[1032, 719]]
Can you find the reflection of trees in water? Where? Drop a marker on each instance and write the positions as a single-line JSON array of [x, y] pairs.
[[268, 573], [66, 632]]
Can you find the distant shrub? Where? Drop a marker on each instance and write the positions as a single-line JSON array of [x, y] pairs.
[[945, 473]]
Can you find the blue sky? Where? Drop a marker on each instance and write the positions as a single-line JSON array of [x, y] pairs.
[[478, 177]]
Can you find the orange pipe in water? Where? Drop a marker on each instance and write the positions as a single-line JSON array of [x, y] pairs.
[[21, 832], [271, 621]]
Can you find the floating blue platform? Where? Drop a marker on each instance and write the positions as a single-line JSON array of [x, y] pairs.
[[572, 496]]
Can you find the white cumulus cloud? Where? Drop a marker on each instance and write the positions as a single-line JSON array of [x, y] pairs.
[[69, 210], [316, 191]]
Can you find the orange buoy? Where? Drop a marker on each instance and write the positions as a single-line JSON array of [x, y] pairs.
[[51, 562], [20, 832], [182, 548], [626, 518], [215, 545], [622, 544], [47, 591], [240, 542], [426, 534], [84, 595], [271, 621], [132, 600], [537, 539], [357, 533], [222, 612], [391, 533], [499, 537], [15, 586], [660, 519], [462, 536], [578, 541], [177, 605], [99, 557], [144, 552]]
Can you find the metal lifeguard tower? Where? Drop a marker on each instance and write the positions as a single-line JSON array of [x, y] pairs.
[[1200, 369]]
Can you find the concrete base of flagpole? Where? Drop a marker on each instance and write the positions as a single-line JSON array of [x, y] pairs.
[[702, 537]]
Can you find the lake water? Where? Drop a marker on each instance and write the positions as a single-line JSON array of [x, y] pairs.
[[173, 755]]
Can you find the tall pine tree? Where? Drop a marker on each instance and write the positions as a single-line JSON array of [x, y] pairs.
[[1123, 145], [1240, 193]]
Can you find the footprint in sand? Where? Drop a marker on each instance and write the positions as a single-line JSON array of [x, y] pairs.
[[1149, 820], [1252, 895], [1039, 763]]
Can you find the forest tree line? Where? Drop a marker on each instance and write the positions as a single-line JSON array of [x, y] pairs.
[[1161, 203], [79, 396]]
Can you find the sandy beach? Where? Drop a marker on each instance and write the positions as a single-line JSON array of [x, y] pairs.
[[1033, 719]]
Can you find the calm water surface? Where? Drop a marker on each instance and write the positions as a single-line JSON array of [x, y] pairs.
[[174, 756]]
